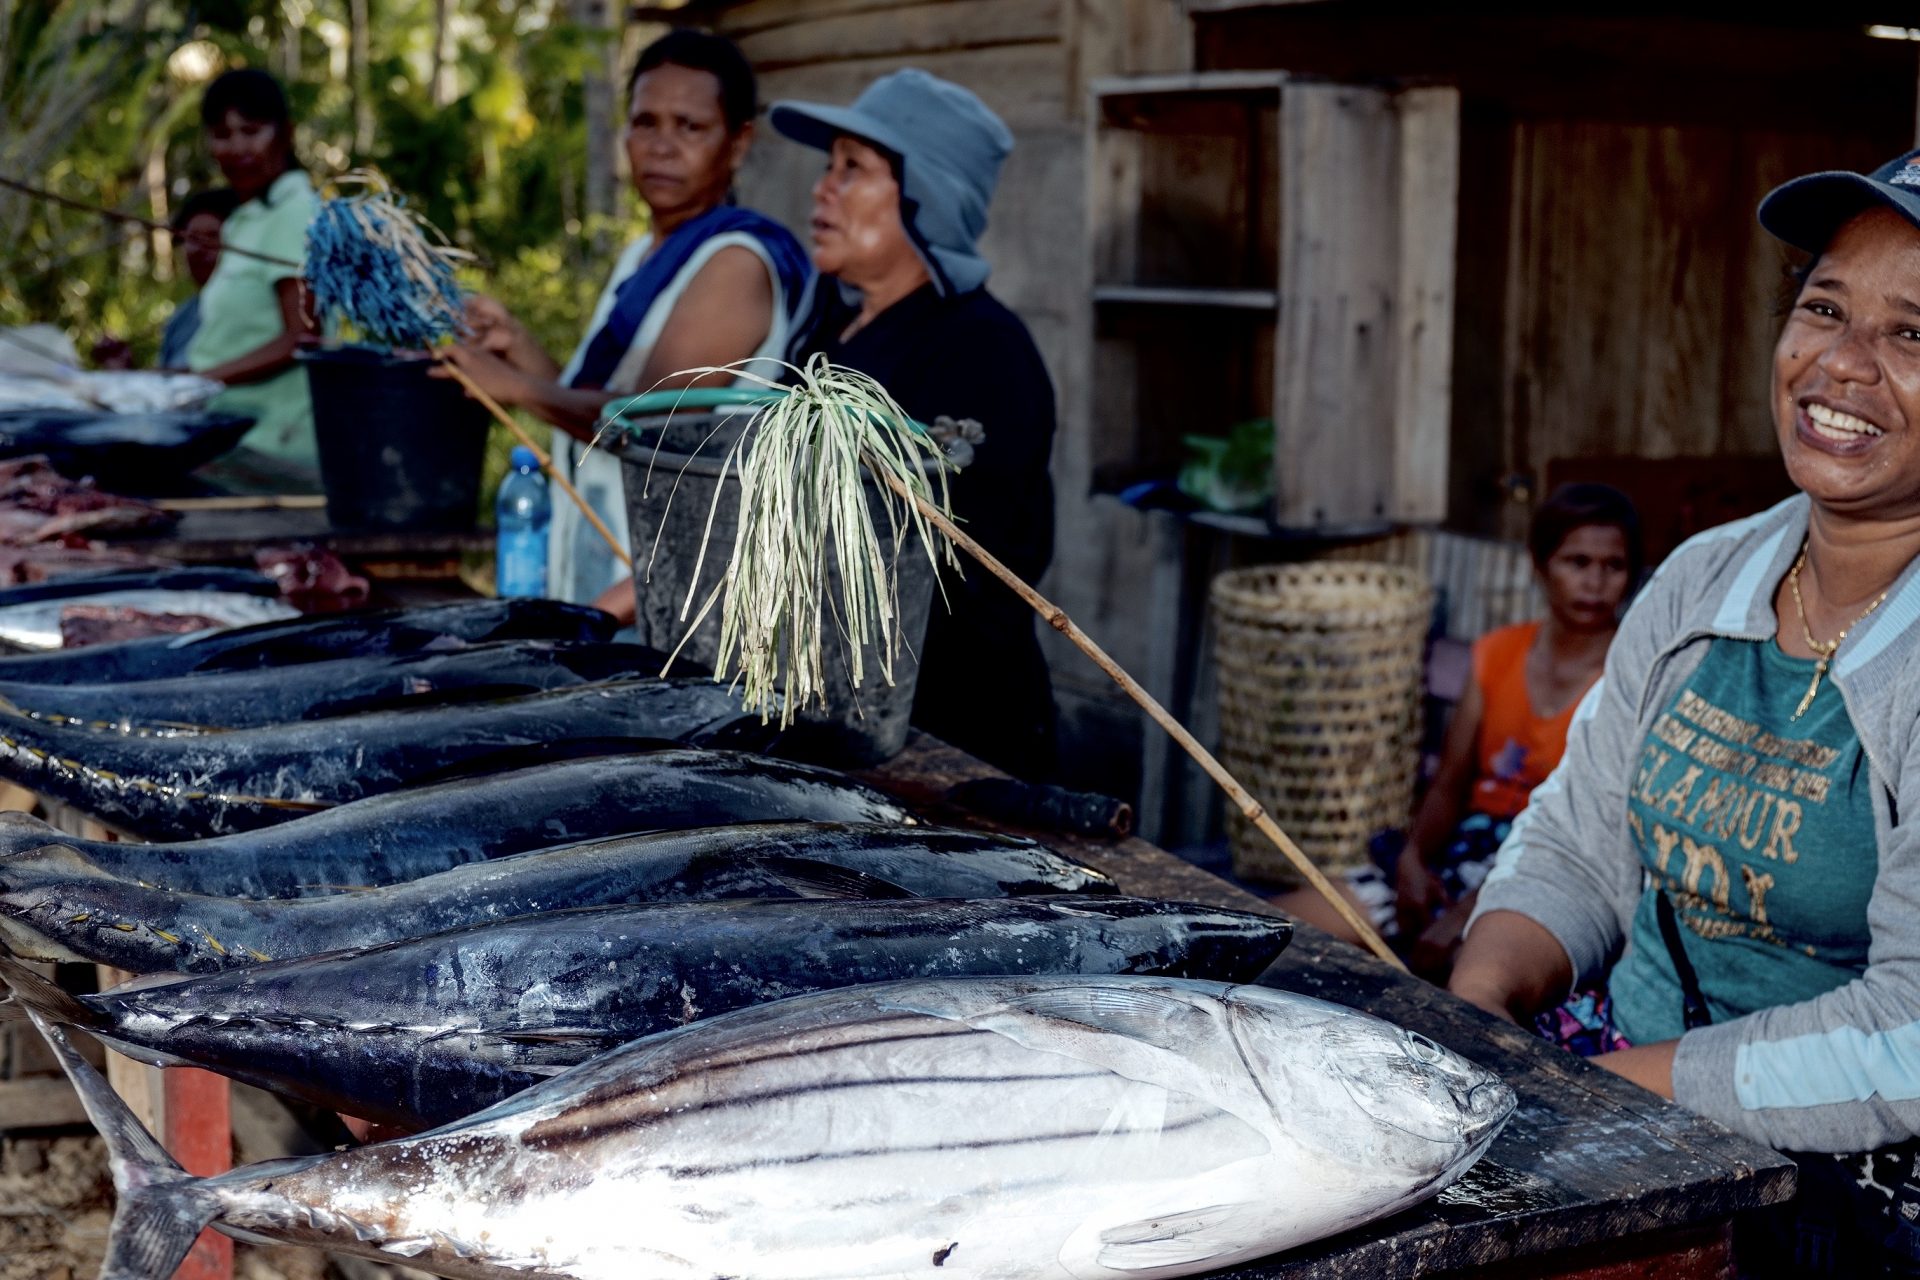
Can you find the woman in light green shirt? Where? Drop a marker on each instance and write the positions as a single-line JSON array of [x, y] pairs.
[[253, 311]]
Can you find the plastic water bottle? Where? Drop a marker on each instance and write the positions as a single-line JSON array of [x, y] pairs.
[[521, 517]]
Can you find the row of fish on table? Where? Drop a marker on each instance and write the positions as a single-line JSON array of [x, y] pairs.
[[646, 999]]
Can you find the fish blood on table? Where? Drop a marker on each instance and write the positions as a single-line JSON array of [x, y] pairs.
[[1053, 1128]]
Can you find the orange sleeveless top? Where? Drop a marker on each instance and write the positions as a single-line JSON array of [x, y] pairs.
[[1516, 749]]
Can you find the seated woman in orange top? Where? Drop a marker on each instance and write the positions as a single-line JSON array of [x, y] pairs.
[[1510, 727]]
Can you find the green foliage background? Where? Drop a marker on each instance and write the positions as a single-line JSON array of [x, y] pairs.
[[101, 103]]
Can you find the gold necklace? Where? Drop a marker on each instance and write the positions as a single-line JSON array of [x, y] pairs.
[[1822, 652]]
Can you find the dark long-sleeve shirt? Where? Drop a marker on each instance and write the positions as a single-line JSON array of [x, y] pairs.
[[983, 683]]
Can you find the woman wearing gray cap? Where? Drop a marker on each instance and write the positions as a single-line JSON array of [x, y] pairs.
[[901, 297], [1733, 816]]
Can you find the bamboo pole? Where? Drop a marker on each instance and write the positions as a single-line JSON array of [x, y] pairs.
[[1255, 812], [546, 461]]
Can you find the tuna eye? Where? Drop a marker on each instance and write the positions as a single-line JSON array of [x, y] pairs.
[[1424, 1049]]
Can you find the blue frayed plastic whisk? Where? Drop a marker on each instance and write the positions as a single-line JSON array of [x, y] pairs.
[[374, 263]]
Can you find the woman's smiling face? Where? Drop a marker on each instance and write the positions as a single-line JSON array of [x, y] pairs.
[[1846, 372], [251, 153]]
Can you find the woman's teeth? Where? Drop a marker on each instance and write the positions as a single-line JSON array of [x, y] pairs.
[[1835, 425]]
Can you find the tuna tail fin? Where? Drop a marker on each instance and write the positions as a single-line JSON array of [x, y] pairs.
[[161, 1208], [37, 996]]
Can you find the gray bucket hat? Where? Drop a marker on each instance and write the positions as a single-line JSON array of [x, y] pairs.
[[1807, 211], [950, 147]]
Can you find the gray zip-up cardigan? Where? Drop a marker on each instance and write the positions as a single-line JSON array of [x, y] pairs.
[[1840, 1072]]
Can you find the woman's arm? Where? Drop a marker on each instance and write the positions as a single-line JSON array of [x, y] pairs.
[[1419, 891], [1648, 1065], [574, 410], [1567, 871], [721, 318], [1511, 967], [276, 356]]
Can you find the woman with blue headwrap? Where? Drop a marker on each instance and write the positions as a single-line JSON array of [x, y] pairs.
[[709, 284], [901, 297]]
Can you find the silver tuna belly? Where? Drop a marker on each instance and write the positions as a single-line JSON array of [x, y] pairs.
[[996, 1128]]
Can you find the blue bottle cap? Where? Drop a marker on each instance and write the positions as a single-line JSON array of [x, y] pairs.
[[523, 457]]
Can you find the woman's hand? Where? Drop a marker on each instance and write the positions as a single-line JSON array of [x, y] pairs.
[[1431, 955], [486, 371], [491, 326], [495, 330], [619, 601], [1511, 967], [1419, 893]]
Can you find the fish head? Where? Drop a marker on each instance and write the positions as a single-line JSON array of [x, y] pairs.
[[1412, 1084], [1369, 1092]]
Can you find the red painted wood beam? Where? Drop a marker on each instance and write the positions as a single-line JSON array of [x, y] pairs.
[[199, 1134]]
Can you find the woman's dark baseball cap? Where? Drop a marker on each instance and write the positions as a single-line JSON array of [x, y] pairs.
[[1806, 212]]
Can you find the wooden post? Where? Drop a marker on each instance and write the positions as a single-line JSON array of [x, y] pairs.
[[1429, 199], [197, 1118]]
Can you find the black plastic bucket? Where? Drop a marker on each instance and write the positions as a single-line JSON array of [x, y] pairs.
[[398, 450], [673, 468]]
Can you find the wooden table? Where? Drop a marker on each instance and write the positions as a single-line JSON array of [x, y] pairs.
[[232, 535], [1593, 1177]]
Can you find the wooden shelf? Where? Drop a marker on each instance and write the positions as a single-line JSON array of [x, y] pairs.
[[1267, 300], [1190, 84], [1299, 240]]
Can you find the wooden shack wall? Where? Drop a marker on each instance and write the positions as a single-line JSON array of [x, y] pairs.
[[1030, 60], [1614, 295]]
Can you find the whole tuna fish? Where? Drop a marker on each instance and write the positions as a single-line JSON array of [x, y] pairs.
[[332, 687], [1112, 1128], [403, 835], [424, 1031], [56, 905], [337, 635], [184, 788]]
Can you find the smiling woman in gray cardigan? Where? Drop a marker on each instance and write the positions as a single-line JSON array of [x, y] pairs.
[[1728, 843]]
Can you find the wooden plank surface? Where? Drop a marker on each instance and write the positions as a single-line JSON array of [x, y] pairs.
[[1333, 398], [905, 31], [1429, 198], [1587, 1160], [1174, 296], [224, 536], [39, 1102]]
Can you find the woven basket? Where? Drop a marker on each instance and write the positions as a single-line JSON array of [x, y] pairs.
[[1319, 673]]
